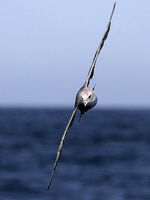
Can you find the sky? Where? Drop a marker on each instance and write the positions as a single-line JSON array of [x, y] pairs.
[[47, 48]]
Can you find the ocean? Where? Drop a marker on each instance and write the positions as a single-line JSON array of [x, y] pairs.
[[105, 157]]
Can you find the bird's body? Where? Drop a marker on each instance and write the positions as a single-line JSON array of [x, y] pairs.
[[85, 98]]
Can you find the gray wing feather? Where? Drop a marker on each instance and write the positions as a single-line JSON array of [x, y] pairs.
[[91, 71], [61, 144]]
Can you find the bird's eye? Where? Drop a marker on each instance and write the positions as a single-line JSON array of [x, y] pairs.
[[90, 96]]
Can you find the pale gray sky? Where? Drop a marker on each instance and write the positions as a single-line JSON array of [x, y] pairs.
[[47, 48]]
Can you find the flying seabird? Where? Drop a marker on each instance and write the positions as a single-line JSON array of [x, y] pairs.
[[85, 98]]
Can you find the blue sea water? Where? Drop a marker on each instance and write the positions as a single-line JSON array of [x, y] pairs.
[[105, 157]]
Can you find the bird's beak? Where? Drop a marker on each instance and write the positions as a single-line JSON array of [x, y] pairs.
[[85, 103]]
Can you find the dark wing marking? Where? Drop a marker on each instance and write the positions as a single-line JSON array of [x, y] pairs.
[[91, 71], [61, 144]]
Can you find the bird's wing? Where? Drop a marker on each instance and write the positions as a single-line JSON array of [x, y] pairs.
[[91, 71], [61, 143]]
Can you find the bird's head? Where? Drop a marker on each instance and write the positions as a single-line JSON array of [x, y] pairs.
[[88, 98]]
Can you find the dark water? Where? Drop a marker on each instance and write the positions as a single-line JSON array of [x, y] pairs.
[[105, 157]]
